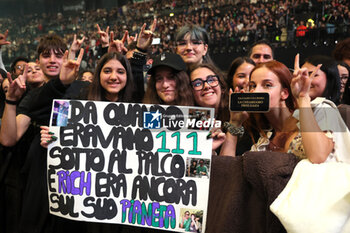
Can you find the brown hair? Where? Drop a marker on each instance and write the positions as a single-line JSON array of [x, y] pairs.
[[223, 113], [184, 94]]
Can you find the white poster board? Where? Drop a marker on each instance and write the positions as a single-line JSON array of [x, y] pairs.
[[134, 164]]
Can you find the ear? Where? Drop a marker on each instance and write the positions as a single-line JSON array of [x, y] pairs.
[[205, 49], [284, 93]]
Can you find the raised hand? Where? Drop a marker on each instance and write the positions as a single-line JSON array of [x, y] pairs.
[[301, 81], [70, 68], [18, 86], [118, 45], [3, 38], [131, 39], [104, 36], [145, 37], [75, 46]]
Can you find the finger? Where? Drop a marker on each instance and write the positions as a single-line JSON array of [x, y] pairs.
[[142, 29], [80, 56], [296, 62], [107, 30], [126, 34], [318, 67], [75, 38], [44, 127], [135, 39], [25, 73], [111, 37], [9, 77], [98, 28], [82, 40], [154, 25], [6, 33], [237, 90], [65, 56]]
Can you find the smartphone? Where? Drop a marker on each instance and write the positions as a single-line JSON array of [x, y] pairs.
[[249, 102]]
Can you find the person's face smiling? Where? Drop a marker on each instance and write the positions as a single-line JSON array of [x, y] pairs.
[[318, 83], [192, 51], [208, 96]]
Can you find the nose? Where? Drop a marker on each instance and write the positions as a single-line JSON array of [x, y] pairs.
[[52, 58], [114, 75], [206, 86], [189, 45]]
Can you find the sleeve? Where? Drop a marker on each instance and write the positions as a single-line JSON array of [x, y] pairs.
[[331, 122], [137, 62], [2, 66]]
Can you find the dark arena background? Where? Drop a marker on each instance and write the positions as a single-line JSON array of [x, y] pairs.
[[233, 25]]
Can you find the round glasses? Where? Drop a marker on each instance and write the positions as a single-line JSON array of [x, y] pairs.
[[198, 84]]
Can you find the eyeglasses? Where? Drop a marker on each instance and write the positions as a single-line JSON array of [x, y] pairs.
[[20, 67], [194, 43], [198, 84]]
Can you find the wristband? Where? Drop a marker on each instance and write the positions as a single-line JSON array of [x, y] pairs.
[[141, 50], [235, 131], [11, 102]]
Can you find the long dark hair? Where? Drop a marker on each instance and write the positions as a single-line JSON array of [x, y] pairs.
[[234, 66], [97, 92], [330, 68], [223, 113], [184, 95]]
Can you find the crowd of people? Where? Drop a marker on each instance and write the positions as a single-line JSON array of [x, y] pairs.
[[181, 73], [232, 25]]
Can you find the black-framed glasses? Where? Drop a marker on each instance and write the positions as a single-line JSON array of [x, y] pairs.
[[198, 84], [20, 67], [193, 43]]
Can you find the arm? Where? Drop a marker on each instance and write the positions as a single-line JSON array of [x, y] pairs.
[[12, 127], [3, 41], [316, 144], [236, 119]]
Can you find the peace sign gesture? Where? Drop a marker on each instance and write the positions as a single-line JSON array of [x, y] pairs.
[[301, 81], [145, 37], [70, 68], [104, 36], [18, 86]]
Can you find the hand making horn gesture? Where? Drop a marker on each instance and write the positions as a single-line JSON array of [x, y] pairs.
[[104, 36], [75, 46], [70, 68], [118, 45], [145, 37]]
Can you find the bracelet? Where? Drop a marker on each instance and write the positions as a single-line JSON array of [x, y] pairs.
[[141, 50], [235, 131], [11, 102]]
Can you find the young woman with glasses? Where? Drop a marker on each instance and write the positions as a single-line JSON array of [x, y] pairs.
[[192, 45], [209, 89]]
